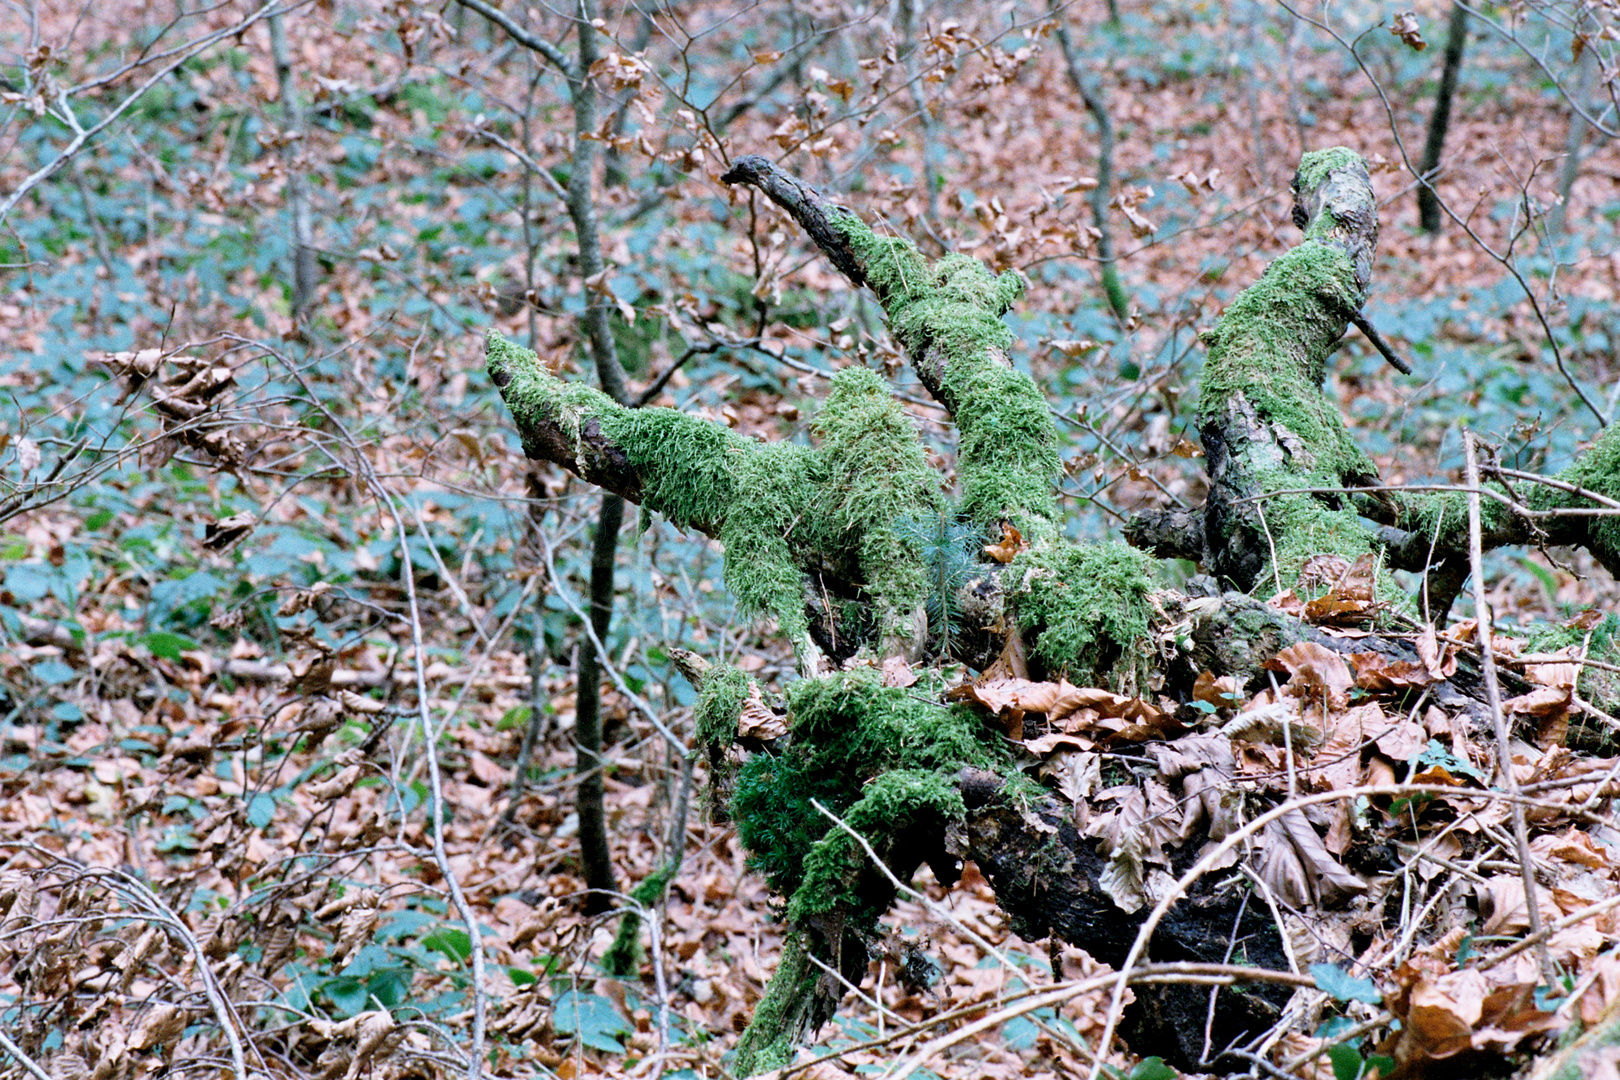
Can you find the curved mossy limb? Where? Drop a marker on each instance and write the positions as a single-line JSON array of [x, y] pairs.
[[947, 316], [780, 509], [1434, 525], [879, 476], [838, 875]]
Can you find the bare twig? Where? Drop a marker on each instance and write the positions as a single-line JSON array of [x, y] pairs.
[[1504, 742]]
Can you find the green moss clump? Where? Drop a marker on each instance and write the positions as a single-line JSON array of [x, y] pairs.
[[1085, 610], [892, 804], [1007, 458], [877, 476], [776, 490], [1597, 470], [777, 508], [1315, 165], [719, 705], [848, 730]]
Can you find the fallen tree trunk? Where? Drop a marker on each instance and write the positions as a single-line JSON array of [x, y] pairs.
[[871, 574]]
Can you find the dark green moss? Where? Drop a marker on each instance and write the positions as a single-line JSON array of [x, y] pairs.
[[848, 730], [1315, 165], [1597, 470], [719, 705], [877, 476], [1085, 611], [837, 870]]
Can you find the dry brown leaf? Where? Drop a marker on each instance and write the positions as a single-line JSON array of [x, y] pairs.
[[1223, 693], [1572, 845], [1009, 546], [1315, 672], [1405, 26], [1378, 673], [757, 720], [1557, 669], [1501, 903], [896, 672]]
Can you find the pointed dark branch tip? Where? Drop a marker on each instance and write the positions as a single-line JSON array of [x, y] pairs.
[[814, 213]]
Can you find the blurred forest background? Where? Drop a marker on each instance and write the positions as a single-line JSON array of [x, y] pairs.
[[291, 635]]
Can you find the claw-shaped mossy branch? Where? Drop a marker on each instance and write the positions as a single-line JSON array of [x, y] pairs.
[[1266, 424], [947, 316], [780, 509]]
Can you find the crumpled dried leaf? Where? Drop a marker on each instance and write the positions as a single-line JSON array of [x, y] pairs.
[[758, 720], [1077, 773], [896, 672], [1350, 599], [1068, 707], [1133, 834], [1501, 903], [1223, 693], [160, 1026], [1007, 549], [1315, 672], [1405, 26]]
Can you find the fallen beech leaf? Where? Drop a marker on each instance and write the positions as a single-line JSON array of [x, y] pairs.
[[1289, 603], [896, 672], [1223, 693], [1336, 610], [1052, 740], [1008, 548], [757, 720], [1439, 662], [1558, 669], [1376, 672], [1314, 671], [1546, 701], [1573, 846]]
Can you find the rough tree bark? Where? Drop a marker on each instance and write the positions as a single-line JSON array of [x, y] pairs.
[[832, 541]]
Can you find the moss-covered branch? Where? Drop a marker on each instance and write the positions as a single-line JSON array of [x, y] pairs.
[[1523, 511], [781, 509], [1266, 424], [947, 315]]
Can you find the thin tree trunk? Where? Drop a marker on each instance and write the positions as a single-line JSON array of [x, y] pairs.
[[595, 853], [305, 267], [1113, 288], [1428, 201], [1574, 140]]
